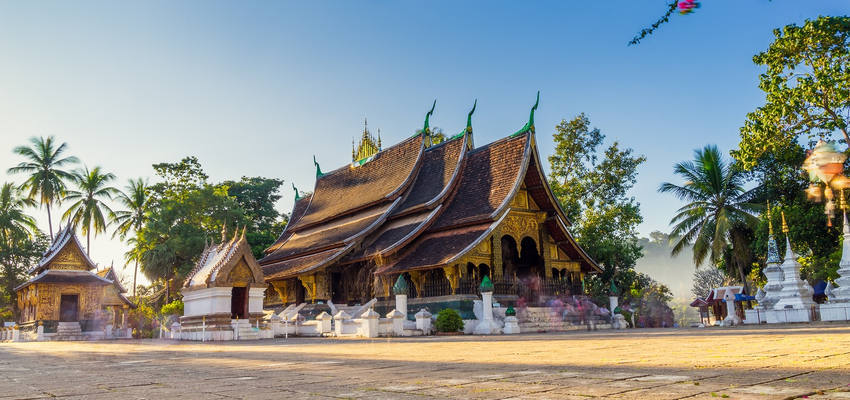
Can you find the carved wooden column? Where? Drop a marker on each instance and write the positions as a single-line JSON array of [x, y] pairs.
[[418, 279], [453, 276], [498, 268], [281, 288]]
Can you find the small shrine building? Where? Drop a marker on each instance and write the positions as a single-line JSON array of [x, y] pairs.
[[226, 284], [63, 290], [441, 215]]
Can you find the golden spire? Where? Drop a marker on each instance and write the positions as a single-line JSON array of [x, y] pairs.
[[769, 220], [784, 224]]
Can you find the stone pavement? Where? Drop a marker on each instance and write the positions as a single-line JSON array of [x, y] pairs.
[[734, 363]]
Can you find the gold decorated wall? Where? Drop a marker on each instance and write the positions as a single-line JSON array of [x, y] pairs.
[[40, 301], [524, 219], [69, 258]]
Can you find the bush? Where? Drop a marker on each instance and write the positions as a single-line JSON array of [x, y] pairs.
[[173, 308], [448, 320]]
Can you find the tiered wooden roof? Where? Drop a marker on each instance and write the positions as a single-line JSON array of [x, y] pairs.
[[224, 264], [416, 207], [65, 262]]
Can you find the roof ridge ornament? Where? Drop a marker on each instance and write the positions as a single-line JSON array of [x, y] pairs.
[[426, 129], [529, 126], [297, 195], [318, 169]]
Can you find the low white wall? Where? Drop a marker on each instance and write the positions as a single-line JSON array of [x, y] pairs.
[[208, 301]]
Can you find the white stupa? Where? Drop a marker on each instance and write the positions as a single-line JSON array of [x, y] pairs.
[[795, 299], [772, 270], [838, 307]]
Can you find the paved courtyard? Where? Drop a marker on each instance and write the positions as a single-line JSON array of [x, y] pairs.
[[735, 363]]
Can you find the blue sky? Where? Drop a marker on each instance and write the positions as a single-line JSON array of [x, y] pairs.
[[257, 88]]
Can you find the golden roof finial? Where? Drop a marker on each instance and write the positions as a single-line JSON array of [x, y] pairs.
[[784, 224], [769, 220]]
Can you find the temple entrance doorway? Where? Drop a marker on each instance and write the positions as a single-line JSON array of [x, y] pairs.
[[510, 256], [529, 264], [239, 303], [337, 288], [299, 292], [68, 306]]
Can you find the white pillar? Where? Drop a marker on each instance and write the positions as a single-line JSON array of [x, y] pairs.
[[397, 319], [339, 320], [369, 325], [423, 321], [613, 302], [324, 322], [175, 330], [486, 326], [401, 304], [39, 333]]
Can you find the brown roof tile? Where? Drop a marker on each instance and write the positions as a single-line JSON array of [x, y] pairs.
[[438, 167], [488, 176], [327, 235], [292, 267], [350, 188], [297, 212], [436, 248]]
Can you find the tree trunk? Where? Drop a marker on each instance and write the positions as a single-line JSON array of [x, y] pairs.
[[135, 272], [49, 223], [741, 255], [88, 242]]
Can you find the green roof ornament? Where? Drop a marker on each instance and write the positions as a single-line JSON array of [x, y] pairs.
[[426, 129], [297, 196], [510, 312], [530, 125], [614, 290], [318, 169], [400, 286], [486, 285], [468, 128]]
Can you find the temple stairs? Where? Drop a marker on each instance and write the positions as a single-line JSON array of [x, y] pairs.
[[547, 319], [244, 330], [69, 331]]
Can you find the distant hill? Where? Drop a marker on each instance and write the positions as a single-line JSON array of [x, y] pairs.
[[675, 272]]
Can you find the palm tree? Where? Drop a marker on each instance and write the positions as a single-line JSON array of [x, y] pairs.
[[136, 201], [87, 209], [46, 179], [719, 212], [14, 223]]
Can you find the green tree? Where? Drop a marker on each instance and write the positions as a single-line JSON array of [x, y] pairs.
[[186, 213], [46, 178], [136, 201], [257, 197], [21, 244], [592, 188], [719, 212], [14, 222], [87, 209], [807, 88]]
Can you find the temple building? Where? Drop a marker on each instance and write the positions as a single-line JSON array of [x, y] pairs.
[[441, 215], [66, 298], [223, 293]]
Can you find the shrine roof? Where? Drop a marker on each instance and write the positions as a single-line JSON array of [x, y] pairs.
[[439, 167], [294, 266], [326, 236], [110, 274], [490, 174], [297, 212], [221, 257], [65, 276], [64, 237], [439, 248], [353, 187]]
